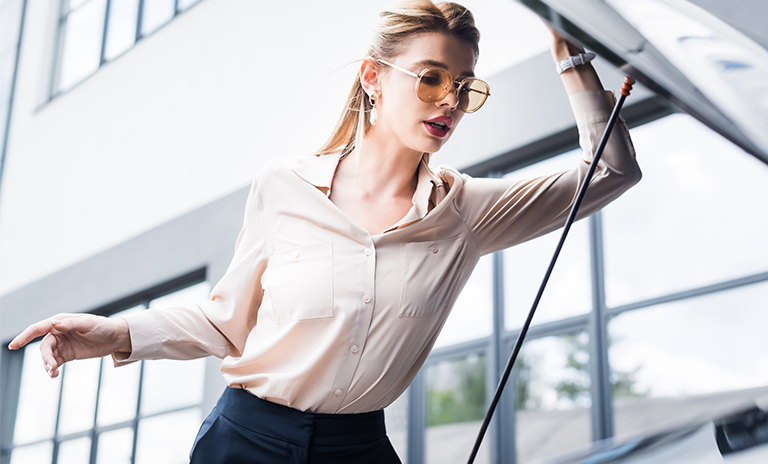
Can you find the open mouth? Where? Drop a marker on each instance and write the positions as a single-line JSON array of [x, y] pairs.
[[438, 125]]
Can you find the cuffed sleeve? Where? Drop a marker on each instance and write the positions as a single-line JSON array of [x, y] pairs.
[[218, 326], [504, 212]]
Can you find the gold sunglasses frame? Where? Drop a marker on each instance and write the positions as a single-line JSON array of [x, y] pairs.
[[458, 84]]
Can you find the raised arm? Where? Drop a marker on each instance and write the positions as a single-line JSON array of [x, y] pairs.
[[504, 212]]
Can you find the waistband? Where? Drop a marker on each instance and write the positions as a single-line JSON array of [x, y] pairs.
[[298, 427]]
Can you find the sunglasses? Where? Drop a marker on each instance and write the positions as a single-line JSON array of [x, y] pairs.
[[433, 84]]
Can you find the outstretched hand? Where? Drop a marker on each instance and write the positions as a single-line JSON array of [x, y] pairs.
[[75, 336]]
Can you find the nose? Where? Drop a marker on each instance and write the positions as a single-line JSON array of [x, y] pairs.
[[451, 99]]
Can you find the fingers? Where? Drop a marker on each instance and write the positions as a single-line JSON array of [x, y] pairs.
[[32, 332], [51, 360], [41, 328]]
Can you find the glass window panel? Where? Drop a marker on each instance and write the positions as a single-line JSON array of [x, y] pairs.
[[119, 391], [678, 360], [455, 409], [10, 23], [569, 290], [553, 399], [39, 452], [38, 399], [156, 14], [184, 297], [81, 50], [77, 451], [171, 384], [184, 4], [72, 4], [472, 315], [396, 418], [167, 438], [121, 28], [78, 396], [694, 218], [115, 447]]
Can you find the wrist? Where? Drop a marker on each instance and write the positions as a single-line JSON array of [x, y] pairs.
[[123, 336], [562, 49]]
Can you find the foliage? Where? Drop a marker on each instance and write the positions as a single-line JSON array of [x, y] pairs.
[[464, 401]]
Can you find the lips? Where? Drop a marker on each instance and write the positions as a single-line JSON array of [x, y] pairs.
[[439, 126]]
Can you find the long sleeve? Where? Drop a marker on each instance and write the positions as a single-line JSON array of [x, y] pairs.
[[504, 212], [220, 325]]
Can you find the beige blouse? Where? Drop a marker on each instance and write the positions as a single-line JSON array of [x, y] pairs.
[[317, 314]]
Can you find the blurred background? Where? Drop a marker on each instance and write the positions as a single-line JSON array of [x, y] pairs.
[[131, 130]]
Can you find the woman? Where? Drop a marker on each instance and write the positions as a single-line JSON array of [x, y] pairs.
[[349, 261]]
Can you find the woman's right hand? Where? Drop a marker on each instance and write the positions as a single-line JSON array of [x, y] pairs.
[[75, 336]]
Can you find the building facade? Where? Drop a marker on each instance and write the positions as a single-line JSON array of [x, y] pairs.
[[133, 129]]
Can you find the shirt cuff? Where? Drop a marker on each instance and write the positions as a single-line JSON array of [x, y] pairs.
[[145, 340], [592, 106]]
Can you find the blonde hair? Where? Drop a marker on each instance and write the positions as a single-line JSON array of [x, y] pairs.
[[390, 37]]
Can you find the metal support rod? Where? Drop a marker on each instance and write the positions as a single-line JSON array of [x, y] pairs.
[[625, 89]]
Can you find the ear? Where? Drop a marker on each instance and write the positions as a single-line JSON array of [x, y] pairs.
[[369, 76]]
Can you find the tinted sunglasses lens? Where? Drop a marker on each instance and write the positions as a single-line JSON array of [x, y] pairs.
[[433, 85], [472, 95]]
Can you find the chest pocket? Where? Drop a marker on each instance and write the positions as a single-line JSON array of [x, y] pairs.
[[300, 282], [431, 271]]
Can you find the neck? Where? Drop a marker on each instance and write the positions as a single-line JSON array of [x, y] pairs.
[[381, 169]]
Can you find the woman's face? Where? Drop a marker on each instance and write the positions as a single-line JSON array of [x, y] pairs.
[[401, 113]]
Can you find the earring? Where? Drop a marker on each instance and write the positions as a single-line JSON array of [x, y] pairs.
[[373, 99]]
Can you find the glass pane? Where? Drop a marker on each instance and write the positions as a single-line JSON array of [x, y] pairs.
[[184, 4], [77, 451], [70, 5], [472, 315], [569, 291], [184, 297], [81, 50], [119, 387], [78, 397], [697, 217], [678, 360], [455, 409], [115, 447], [553, 399], [119, 392], [156, 13], [40, 452], [168, 438], [38, 399], [161, 388], [396, 418], [121, 29], [169, 385], [10, 23]]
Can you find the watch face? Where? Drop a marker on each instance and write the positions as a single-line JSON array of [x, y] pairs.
[[681, 52]]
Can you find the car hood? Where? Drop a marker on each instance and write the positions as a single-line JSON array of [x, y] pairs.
[[680, 51]]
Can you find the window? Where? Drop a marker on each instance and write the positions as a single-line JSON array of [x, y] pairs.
[[144, 412], [93, 32]]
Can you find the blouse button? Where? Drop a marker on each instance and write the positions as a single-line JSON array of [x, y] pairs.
[[433, 249], [368, 252], [367, 299], [338, 392], [295, 254], [354, 348]]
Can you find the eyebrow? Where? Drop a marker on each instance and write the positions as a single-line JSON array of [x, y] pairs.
[[440, 64]]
